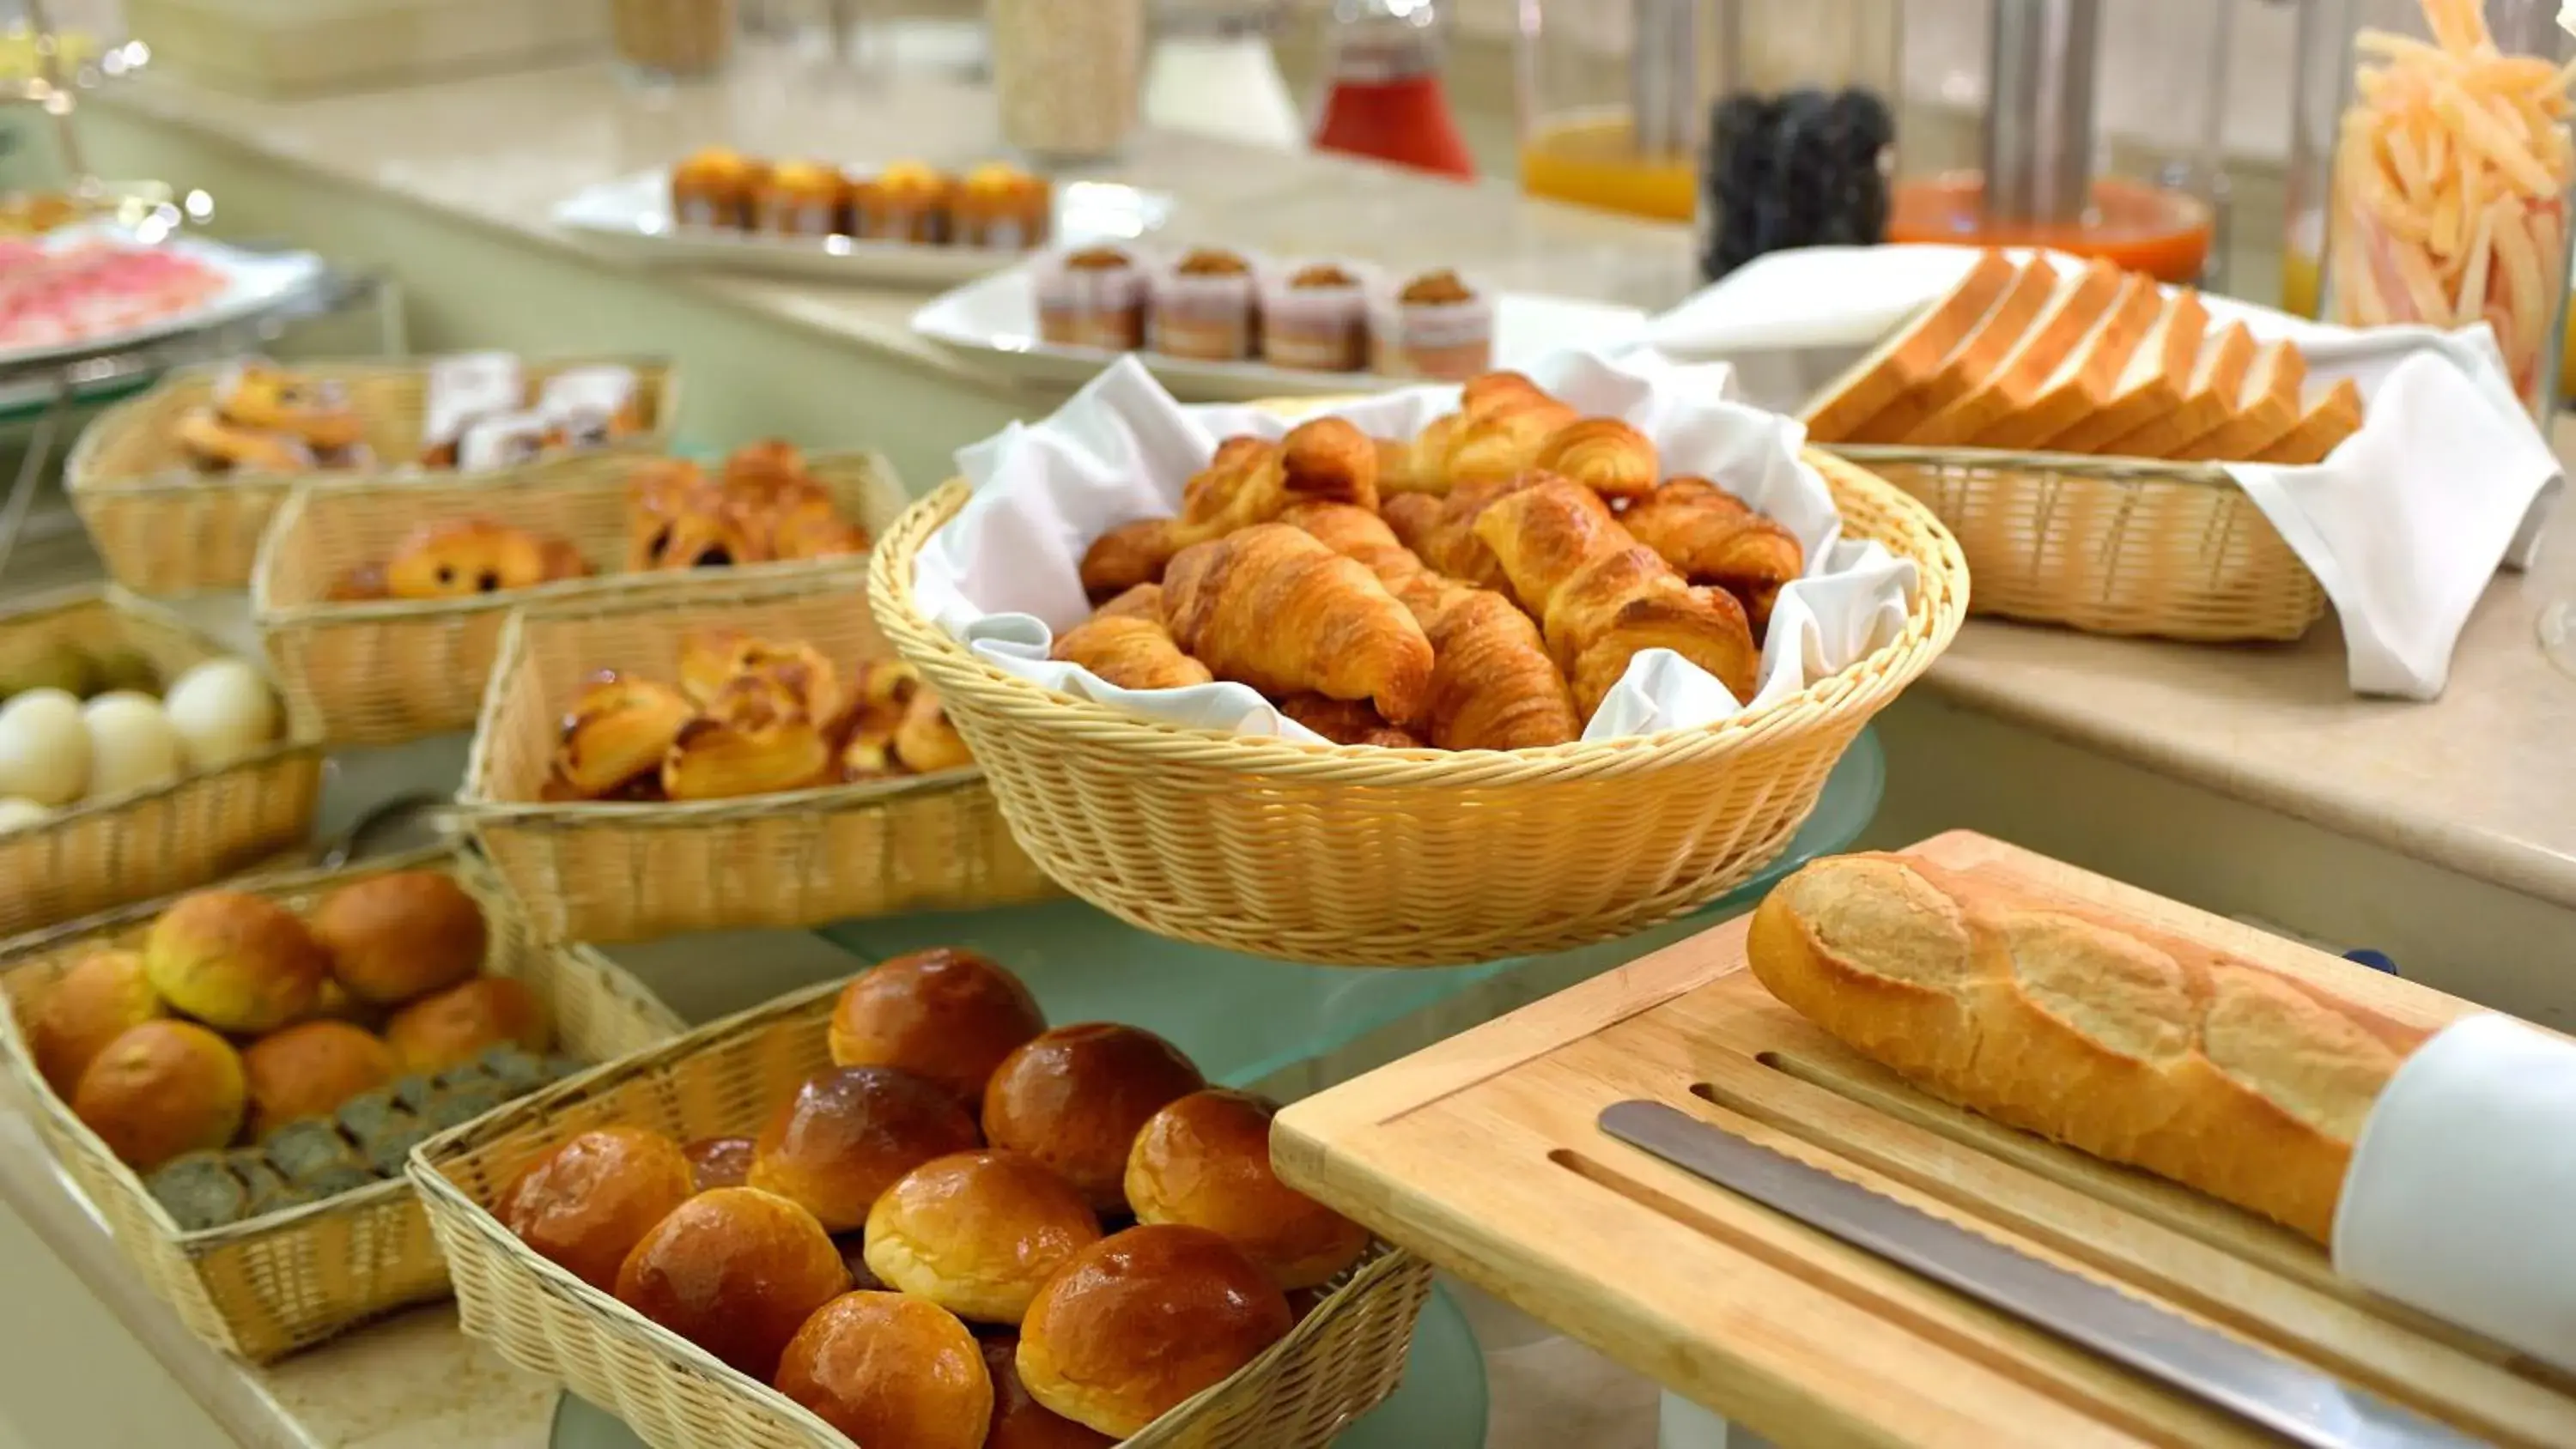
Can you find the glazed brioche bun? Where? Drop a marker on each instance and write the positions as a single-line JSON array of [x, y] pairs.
[[309, 1069], [1019, 1421], [719, 1161], [892, 1371], [1074, 1098], [1143, 1319], [460, 1023], [848, 1133], [947, 1016], [978, 1232], [1205, 1161], [400, 935], [587, 1204], [736, 1271]]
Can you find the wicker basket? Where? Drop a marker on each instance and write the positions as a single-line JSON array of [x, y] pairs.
[[2110, 545], [723, 1080], [622, 872], [165, 528], [278, 1283], [1365, 857], [148, 843], [384, 672]]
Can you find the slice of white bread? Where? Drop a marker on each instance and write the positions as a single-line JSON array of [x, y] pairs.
[[1973, 360], [2083, 382], [2069, 317], [2332, 416], [2209, 400], [1914, 353], [2152, 385], [2266, 408]]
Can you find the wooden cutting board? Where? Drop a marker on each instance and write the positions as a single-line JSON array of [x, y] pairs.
[[1481, 1153]]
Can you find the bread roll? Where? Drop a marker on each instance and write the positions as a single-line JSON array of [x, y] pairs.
[[2132, 1045], [719, 1161], [847, 1135], [403, 934], [890, 1371], [978, 1232], [1019, 1420], [736, 1271], [1205, 1160], [947, 1016], [587, 1204], [1141, 1320], [1075, 1097]]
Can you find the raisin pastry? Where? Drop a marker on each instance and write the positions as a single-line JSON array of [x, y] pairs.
[[476, 556], [217, 446], [267, 399], [618, 730]]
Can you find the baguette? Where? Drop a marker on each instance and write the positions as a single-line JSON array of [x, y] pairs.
[[1913, 354], [2333, 417], [2131, 1045], [2069, 317], [1969, 364]]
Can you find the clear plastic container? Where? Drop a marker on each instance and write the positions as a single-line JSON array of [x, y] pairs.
[[1798, 143], [1611, 103]]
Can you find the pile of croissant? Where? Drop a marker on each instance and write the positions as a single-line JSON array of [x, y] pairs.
[[1479, 587], [749, 716]]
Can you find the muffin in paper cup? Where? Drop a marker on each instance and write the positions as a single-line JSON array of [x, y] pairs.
[[906, 202], [1092, 297], [1434, 326], [1002, 207], [1315, 316], [1204, 307]]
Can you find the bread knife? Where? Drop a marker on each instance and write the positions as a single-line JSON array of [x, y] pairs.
[[2255, 1384]]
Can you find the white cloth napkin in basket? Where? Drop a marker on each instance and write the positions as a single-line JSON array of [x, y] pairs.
[[1003, 575], [2403, 526]]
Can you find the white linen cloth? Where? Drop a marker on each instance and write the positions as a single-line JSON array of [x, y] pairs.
[[2457, 1200], [1004, 574], [2403, 526]]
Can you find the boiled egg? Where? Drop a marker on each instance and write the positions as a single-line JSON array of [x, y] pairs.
[[131, 743], [44, 750], [223, 710]]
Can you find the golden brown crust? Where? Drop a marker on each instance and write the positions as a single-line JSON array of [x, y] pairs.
[[1142, 1320], [946, 1015], [469, 557], [104, 993], [1019, 1420], [619, 729], [1075, 1097], [1605, 455], [736, 1271], [401, 935], [160, 1089], [1436, 289], [586, 1204], [2130, 1044], [309, 1069], [1271, 607], [235, 961], [1129, 650], [1205, 1161], [1710, 537], [1347, 722], [455, 1025], [719, 1161], [925, 740], [887, 1370], [978, 1233], [847, 1134]]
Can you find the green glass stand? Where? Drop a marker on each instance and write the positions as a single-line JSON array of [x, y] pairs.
[[1288, 1028]]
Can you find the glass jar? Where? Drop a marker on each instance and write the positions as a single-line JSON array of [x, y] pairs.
[[1383, 98], [2381, 232], [659, 41], [1799, 133], [1610, 101], [1213, 74], [1067, 74]]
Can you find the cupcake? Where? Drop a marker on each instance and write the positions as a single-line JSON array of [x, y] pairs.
[[1203, 308], [713, 188], [802, 198], [1316, 318], [1434, 326], [1092, 298], [1001, 206], [905, 202]]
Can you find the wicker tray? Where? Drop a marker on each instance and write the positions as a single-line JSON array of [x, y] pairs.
[[151, 842], [2109, 545], [278, 1283], [384, 672], [622, 872], [1363, 857], [723, 1079], [165, 528]]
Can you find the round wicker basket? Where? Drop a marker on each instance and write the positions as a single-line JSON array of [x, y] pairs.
[[1369, 857]]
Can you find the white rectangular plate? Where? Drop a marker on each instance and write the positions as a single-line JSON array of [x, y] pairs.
[[253, 282], [995, 321], [631, 216]]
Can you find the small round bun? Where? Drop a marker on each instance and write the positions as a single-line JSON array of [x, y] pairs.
[[1205, 1161], [235, 961], [401, 935], [847, 1135], [719, 1161], [309, 1069], [947, 1016], [160, 1089], [591, 1200], [1141, 1320], [1075, 1098], [458, 1024], [890, 1370], [978, 1233], [1020, 1421], [735, 1271], [104, 993]]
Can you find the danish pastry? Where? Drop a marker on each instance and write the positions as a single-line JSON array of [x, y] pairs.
[[217, 446], [475, 556], [713, 659], [755, 737], [267, 399], [618, 730], [925, 741]]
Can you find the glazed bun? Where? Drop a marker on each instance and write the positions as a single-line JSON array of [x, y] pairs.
[[1205, 1161], [1074, 1098], [890, 1371], [1021, 1422], [735, 1271], [847, 1135], [719, 1161], [947, 1016], [978, 1232], [403, 934], [1143, 1319], [591, 1200]]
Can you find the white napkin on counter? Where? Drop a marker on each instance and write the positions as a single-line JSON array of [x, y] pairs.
[[2458, 1200], [1004, 574], [2403, 526]]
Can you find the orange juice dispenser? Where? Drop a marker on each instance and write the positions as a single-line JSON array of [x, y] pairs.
[[2100, 137], [1608, 97]]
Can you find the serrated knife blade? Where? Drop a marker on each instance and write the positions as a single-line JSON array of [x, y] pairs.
[[2280, 1394]]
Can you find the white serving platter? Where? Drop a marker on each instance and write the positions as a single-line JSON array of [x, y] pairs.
[[994, 321], [631, 217], [252, 283]]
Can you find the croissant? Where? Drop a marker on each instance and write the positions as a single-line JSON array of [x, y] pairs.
[[1129, 648], [756, 737], [1442, 530], [1347, 722], [1502, 422], [1249, 481], [1129, 555], [618, 729], [1601, 597], [1603, 454], [925, 741], [1275, 609], [1355, 533], [1711, 537]]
